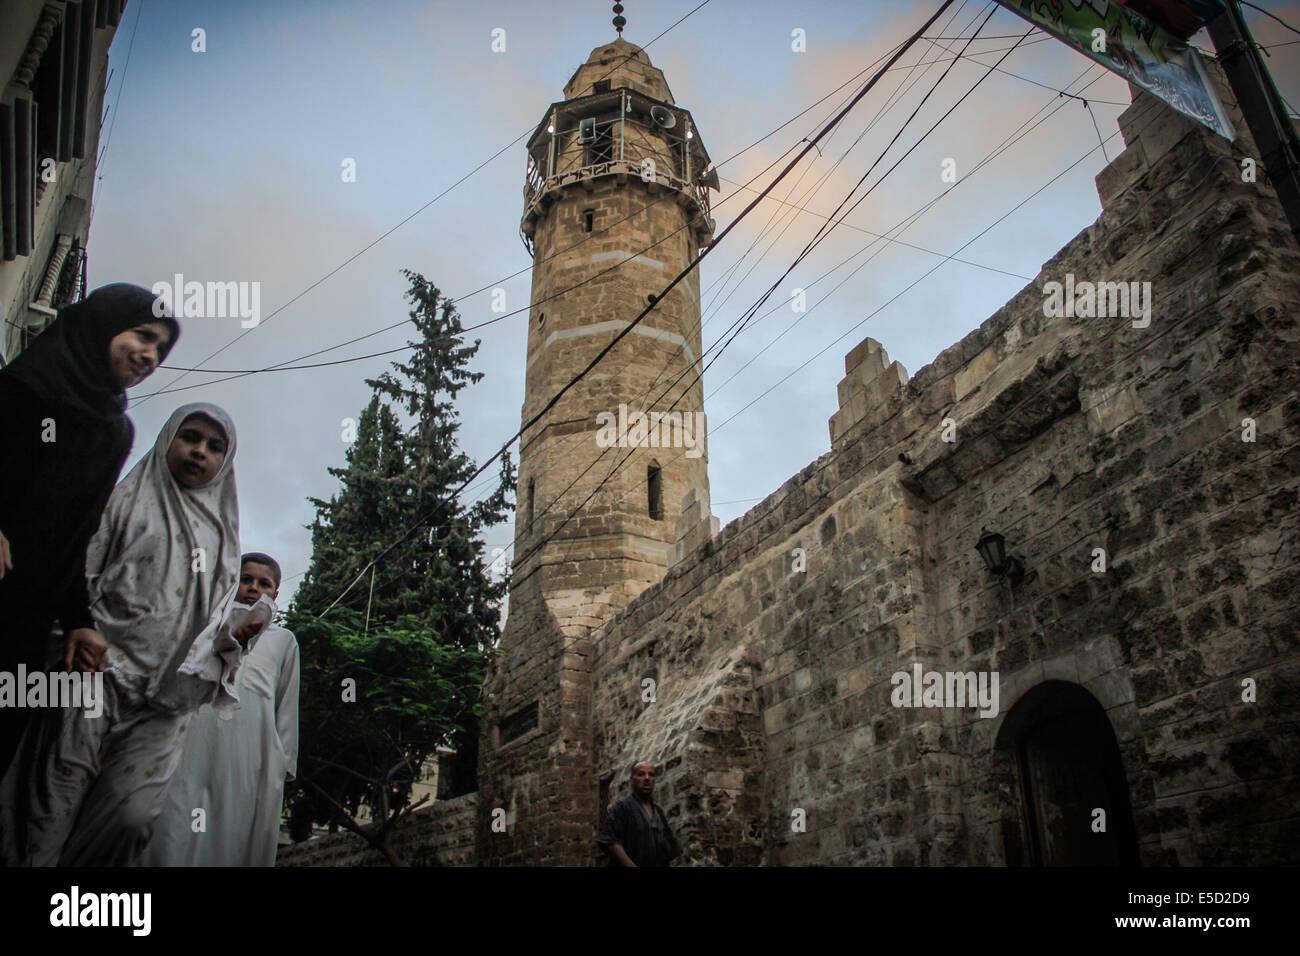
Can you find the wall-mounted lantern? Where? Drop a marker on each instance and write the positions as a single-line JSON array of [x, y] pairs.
[[993, 549]]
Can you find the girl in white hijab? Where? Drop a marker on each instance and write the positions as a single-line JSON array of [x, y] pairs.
[[162, 574], [167, 553]]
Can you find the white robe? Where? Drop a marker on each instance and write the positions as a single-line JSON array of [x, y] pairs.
[[162, 575], [234, 770]]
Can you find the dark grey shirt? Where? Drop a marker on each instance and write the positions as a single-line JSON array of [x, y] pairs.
[[649, 842]]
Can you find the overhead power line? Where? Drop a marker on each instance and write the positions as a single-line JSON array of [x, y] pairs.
[[108, 137], [1015, 136], [289, 364], [1010, 140], [900, 242], [1247, 3], [618, 465], [758, 398], [707, 314], [832, 222], [668, 288], [393, 229]]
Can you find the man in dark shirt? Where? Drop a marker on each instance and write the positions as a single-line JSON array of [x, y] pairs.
[[636, 832]]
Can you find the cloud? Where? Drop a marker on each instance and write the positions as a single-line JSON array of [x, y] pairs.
[[229, 168]]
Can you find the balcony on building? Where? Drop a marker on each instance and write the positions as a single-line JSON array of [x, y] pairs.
[[619, 133]]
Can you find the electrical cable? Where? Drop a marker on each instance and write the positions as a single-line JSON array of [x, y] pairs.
[[668, 288], [904, 87], [1007, 143], [925, 276], [859, 267], [108, 138], [1098, 129], [822, 233], [714, 305], [288, 365], [906, 223], [759, 397], [827, 227], [375, 242], [1247, 3], [1014, 137], [900, 242]]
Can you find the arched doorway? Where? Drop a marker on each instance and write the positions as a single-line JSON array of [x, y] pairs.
[[1069, 767]]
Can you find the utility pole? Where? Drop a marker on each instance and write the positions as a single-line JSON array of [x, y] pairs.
[[1261, 104]]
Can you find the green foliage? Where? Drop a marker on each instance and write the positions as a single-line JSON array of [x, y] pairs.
[[411, 692], [401, 478], [414, 631]]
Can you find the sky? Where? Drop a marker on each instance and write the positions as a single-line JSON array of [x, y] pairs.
[[228, 164]]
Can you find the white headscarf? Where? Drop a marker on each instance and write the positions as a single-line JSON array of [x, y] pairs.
[[149, 601]]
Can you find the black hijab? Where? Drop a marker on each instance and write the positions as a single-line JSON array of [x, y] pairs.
[[68, 363]]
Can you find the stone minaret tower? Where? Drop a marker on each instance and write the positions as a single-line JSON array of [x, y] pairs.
[[616, 203]]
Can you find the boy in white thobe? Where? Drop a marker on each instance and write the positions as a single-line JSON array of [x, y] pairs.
[[223, 806]]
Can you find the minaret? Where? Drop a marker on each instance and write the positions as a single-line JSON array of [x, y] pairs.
[[616, 204]]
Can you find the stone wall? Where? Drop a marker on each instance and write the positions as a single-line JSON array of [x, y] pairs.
[[1079, 439], [439, 835]]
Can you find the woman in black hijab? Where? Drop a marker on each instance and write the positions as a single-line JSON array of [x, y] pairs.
[[64, 437]]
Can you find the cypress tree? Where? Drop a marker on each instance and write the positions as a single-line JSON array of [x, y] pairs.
[[397, 478], [428, 591]]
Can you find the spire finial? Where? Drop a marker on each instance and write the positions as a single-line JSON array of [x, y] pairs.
[[620, 21]]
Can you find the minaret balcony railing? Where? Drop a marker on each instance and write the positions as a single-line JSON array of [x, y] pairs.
[[537, 186], [620, 133]]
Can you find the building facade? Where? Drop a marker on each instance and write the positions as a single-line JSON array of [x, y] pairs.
[[54, 67], [838, 677]]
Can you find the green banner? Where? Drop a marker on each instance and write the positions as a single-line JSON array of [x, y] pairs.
[[1128, 44]]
